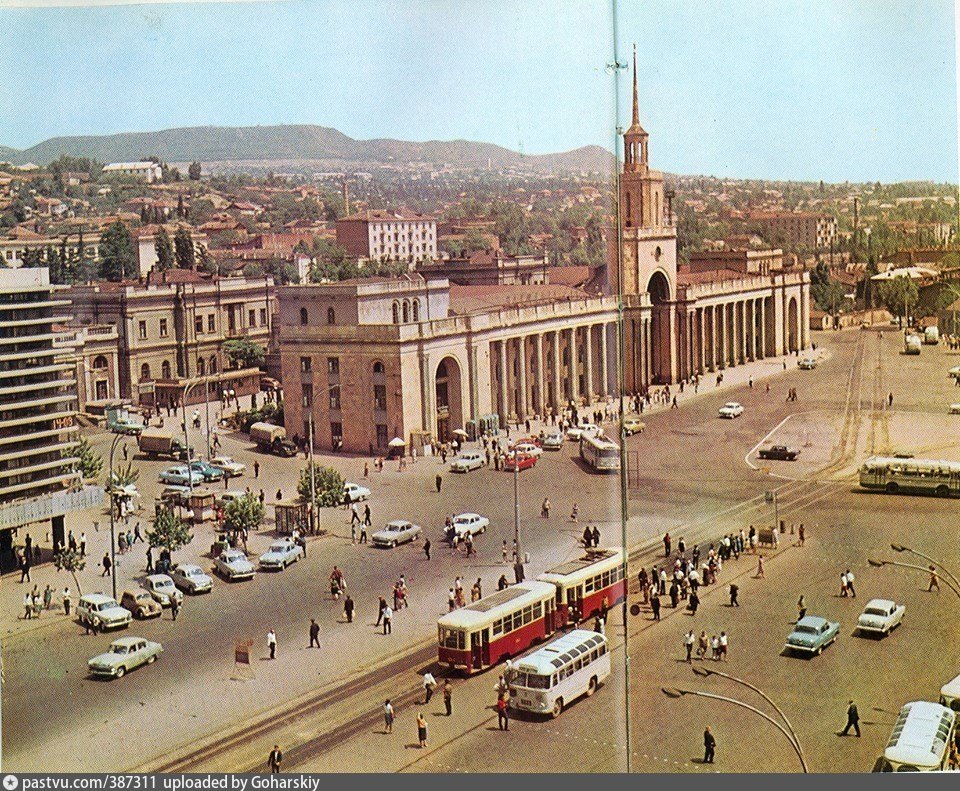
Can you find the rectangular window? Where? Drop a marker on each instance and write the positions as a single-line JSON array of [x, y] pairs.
[[333, 365], [538, 610], [335, 397], [163, 328], [380, 397], [336, 433], [211, 323], [306, 364], [198, 325], [307, 396], [263, 317], [588, 586], [498, 626], [142, 329], [252, 316]]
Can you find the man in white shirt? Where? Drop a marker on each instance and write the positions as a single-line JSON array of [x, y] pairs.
[[429, 685], [688, 642], [272, 643]]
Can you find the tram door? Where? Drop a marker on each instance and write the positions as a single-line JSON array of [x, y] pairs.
[[480, 648], [575, 600]]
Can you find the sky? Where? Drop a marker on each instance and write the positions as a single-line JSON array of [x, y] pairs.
[[858, 90]]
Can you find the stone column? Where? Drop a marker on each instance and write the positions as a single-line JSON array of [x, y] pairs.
[[721, 337], [763, 327], [573, 367], [804, 318], [743, 331], [648, 345], [605, 388], [523, 405], [504, 397], [557, 384], [588, 363], [541, 400], [702, 336]]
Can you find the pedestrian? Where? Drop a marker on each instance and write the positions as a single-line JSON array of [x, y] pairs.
[[502, 583], [174, 607], [688, 642], [504, 551], [759, 574], [25, 564], [715, 648], [452, 600], [366, 515], [27, 606], [575, 513], [681, 546], [476, 592], [934, 579], [381, 606], [272, 643], [439, 482], [83, 544], [47, 597], [674, 594], [421, 729], [314, 634], [448, 696], [387, 716], [853, 591], [596, 536], [693, 603], [702, 646], [734, 592], [348, 608], [149, 560], [666, 545], [724, 643], [801, 534], [106, 563], [429, 685], [366, 470], [426, 548], [503, 719], [843, 584], [853, 719], [275, 759], [387, 620], [655, 605], [545, 509], [709, 742], [801, 608]]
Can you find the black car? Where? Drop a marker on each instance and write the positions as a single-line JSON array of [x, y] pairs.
[[780, 453]]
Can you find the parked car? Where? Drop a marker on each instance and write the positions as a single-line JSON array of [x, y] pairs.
[[162, 589], [731, 410], [396, 532], [583, 430], [208, 471], [812, 634], [955, 409], [779, 452], [140, 603], [521, 461], [124, 654], [807, 364], [191, 578], [954, 373], [633, 425], [880, 616], [231, 468], [181, 476], [356, 492], [528, 448], [470, 523], [233, 565], [102, 611], [553, 441], [228, 496], [470, 460], [281, 554]]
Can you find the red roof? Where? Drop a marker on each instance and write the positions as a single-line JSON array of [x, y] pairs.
[[569, 275]]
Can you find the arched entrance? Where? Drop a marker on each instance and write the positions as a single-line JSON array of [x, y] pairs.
[[449, 399], [658, 287], [793, 326]]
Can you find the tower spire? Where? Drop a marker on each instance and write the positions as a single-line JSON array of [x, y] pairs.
[[636, 103]]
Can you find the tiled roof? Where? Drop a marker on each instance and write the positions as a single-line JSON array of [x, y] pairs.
[[468, 299]]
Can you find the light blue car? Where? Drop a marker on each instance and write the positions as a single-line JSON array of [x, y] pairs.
[[811, 635], [207, 470], [181, 476], [280, 555]]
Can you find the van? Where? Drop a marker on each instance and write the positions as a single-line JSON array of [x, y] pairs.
[[921, 738], [950, 694]]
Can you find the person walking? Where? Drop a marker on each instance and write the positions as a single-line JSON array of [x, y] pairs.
[[694, 602], [366, 515], [853, 719], [275, 759], [448, 697], [688, 642], [575, 513], [545, 509], [381, 606], [595, 536], [655, 605], [801, 535], [724, 644], [801, 608], [25, 565], [439, 482], [759, 574], [387, 716], [702, 645], [256, 469], [272, 643], [850, 588], [174, 607], [843, 585], [429, 685], [106, 563], [709, 742], [421, 729], [934, 580], [387, 620], [666, 545], [348, 608], [734, 592], [314, 634], [47, 597], [149, 560], [503, 718]]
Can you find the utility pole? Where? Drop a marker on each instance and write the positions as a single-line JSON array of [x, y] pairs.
[[518, 564], [313, 480], [856, 222]]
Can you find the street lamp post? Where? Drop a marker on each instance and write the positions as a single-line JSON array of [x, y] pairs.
[[937, 563], [678, 693], [113, 497], [518, 563], [881, 563]]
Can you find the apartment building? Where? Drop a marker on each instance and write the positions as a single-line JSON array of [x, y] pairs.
[[797, 229], [389, 236]]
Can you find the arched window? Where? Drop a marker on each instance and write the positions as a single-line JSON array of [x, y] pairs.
[[416, 310], [406, 311], [396, 312], [213, 364], [378, 367], [304, 317], [144, 373], [165, 369], [201, 367], [331, 316], [99, 362]]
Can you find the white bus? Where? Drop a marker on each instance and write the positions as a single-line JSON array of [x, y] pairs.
[[921, 738], [560, 672], [600, 453], [923, 476]]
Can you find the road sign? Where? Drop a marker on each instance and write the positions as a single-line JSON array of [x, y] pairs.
[[768, 497]]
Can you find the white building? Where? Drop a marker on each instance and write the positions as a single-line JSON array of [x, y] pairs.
[[148, 171]]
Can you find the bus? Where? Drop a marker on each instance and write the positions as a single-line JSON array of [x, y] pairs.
[[499, 626], [921, 739], [917, 476], [560, 672], [583, 584], [600, 453]]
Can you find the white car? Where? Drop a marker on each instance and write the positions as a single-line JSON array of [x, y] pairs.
[[281, 554], [233, 565], [471, 460], [527, 448], [125, 654], [162, 589], [191, 578], [807, 364], [955, 409], [102, 611], [583, 430], [229, 496], [356, 492], [470, 523], [553, 441], [231, 468], [880, 617], [396, 532], [954, 372], [731, 410]]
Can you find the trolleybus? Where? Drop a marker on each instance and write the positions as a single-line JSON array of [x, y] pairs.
[[572, 665], [915, 476], [921, 739], [600, 453], [583, 584]]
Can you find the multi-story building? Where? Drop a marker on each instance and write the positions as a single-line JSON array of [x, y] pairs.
[[15, 243], [811, 230], [379, 235], [38, 479], [171, 330], [747, 262], [93, 350], [148, 171], [490, 267]]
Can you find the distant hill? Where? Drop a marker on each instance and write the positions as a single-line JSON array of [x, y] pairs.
[[300, 142]]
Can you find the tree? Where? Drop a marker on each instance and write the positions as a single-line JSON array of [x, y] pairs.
[[118, 258], [244, 353], [327, 482], [898, 295], [194, 171], [244, 513], [169, 532], [184, 253], [164, 250], [66, 559], [89, 463]]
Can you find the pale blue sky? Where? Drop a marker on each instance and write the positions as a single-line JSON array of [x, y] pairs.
[[832, 89]]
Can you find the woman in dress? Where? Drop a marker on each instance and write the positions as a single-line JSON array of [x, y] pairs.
[[421, 729]]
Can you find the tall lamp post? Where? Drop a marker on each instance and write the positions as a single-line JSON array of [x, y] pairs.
[[113, 497], [937, 563], [518, 563], [880, 563]]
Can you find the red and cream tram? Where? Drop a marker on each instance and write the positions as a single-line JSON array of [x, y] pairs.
[[499, 626], [584, 583]]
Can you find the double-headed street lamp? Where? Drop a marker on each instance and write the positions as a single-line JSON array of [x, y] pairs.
[[937, 563], [113, 501], [925, 569]]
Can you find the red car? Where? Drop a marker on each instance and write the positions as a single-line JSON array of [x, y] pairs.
[[532, 440], [523, 462]]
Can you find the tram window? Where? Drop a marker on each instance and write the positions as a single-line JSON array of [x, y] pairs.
[[538, 610], [588, 586], [498, 626]]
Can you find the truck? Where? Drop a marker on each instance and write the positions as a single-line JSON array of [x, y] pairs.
[[912, 343], [155, 442], [120, 421], [931, 336], [272, 439]]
